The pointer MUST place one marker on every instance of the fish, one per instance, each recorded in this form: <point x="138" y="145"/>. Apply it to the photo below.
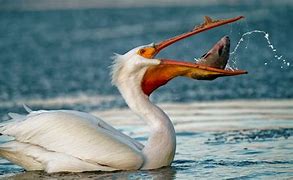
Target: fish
<point x="218" y="55"/>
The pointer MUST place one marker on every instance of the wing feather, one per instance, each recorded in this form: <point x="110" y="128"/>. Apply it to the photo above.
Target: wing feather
<point x="33" y="157"/>
<point x="77" y="135"/>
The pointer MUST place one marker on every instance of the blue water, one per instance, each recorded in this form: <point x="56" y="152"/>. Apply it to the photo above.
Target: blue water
<point x="56" y="53"/>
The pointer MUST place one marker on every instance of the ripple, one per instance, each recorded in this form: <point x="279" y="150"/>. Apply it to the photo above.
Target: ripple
<point x="212" y="163"/>
<point x="186" y="134"/>
<point x="183" y="161"/>
<point x="239" y="163"/>
<point x="249" y="136"/>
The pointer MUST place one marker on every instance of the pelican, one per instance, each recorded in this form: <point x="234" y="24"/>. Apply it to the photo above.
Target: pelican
<point x="73" y="141"/>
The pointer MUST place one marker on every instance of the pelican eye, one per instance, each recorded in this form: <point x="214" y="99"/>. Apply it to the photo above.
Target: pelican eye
<point x="141" y="51"/>
<point x="147" y="52"/>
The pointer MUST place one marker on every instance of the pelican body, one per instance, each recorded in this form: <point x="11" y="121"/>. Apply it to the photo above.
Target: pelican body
<point x="73" y="141"/>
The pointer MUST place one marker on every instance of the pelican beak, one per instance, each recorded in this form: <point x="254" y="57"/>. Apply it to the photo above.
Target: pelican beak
<point x="205" y="69"/>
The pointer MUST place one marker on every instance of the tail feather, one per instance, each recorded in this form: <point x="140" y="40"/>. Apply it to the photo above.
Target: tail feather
<point x="15" y="115"/>
<point x="14" y="119"/>
<point x="28" y="109"/>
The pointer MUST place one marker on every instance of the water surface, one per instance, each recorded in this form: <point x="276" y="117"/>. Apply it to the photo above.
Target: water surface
<point x="215" y="140"/>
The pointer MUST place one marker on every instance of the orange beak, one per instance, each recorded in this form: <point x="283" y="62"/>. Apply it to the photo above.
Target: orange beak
<point x="159" y="75"/>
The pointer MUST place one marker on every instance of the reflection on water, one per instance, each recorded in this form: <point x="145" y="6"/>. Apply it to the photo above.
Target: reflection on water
<point x="163" y="173"/>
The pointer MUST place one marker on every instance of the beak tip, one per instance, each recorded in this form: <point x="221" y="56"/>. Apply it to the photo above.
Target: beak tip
<point x="243" y="72"/>
<point x="240" y="17"/>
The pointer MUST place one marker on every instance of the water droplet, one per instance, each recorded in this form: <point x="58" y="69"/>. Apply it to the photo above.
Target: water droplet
<point x="266" y="64"/>
<point x="270" y="45"/>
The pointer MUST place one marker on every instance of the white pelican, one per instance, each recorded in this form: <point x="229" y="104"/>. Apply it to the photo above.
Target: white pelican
<point x="73" y="141"/>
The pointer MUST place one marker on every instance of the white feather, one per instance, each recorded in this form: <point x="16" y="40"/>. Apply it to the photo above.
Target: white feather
<point x="34" y="157"/>
<point x="130" y="64"/>
<point x="76" y="135"/>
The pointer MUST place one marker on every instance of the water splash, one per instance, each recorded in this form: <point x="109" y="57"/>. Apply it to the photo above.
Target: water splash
<point x="283" y="61"/>
<point x="196" y="59"/>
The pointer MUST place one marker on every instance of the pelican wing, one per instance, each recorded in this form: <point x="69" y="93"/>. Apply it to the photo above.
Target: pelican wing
<point x="76" y="135"/>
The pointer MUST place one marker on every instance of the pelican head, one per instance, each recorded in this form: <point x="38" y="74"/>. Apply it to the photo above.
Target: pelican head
<point x="141" y="65"/>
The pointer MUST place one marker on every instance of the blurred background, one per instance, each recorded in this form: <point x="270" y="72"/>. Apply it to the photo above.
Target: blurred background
<point x="57" y="53"/>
